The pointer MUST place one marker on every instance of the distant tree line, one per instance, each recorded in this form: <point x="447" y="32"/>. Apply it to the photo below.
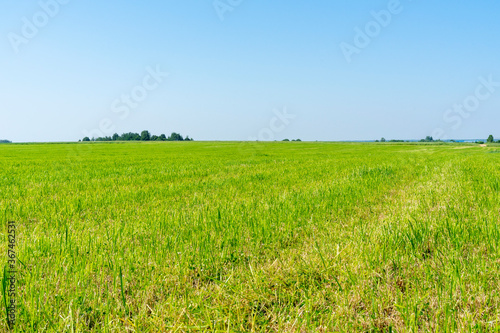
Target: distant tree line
<point x="5" y="141"/>
<point x="298" y="140"/>
<point x="384" y="140"/>
<point x="429" y="139"/>
<point x="144" y="136"/>
<point x="490" y="139"/>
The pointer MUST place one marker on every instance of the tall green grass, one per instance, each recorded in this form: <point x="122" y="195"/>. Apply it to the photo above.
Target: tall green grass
<point x="283" y="237"/>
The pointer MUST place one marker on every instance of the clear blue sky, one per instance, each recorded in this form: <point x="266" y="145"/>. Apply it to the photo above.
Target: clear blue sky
<point x="227" y="76"/>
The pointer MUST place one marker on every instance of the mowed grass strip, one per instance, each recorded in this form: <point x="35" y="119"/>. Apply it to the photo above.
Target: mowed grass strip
<point x="262" y="237"/>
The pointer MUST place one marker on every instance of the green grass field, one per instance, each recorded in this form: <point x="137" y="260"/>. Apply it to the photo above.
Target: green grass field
<point x="253" y="237"/>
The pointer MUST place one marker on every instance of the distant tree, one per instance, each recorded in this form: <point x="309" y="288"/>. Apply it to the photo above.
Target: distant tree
<point x="145" y="136"/>
<point x="490" y="139"/>
<point x="382" y="140"/>
<point x="154" y="138"/>
<point x="429" y="139"/>
<point x="286" y="140"/>
<point x="116" y="137"/>
<point x="86" y="139"/>
<point x="163" y="137"/>
<point x="175" y="137"/>
<point x="130" y="137"/>
<point x="377" y="141"/>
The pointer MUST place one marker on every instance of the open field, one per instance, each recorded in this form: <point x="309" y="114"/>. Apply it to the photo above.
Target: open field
<point x="228" y="237"/>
